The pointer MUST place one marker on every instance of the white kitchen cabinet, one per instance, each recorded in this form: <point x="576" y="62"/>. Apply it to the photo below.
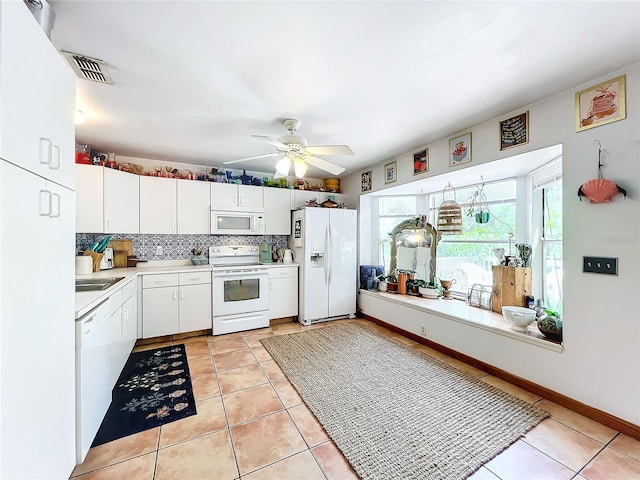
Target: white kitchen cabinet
<point x="121" y="202"/>
<point x="37" y="305"/>
<point x="176" y="303"/>
<point x="169" y="205"/>
<point x="283" y="294"/>
<point x="89" y="198"/>
<point x="37" y="98"/>
<point x="158" y="206"/>
<point x="232" y="196"/>
<point x="277" y="211"/>
<point x="301" y="197"/>
<point x="194" y="207"/>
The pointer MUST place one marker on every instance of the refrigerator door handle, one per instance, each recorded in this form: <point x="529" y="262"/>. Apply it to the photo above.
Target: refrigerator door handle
<point x="327" y="256"/>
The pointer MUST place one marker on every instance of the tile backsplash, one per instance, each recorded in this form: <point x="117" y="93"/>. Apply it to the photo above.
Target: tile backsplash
<point x="177" y="247"/>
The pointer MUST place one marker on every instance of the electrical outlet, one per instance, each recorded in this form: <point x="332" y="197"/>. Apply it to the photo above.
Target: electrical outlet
<point x="606" y="265"/>
<point x="423" y="330"/>
<point x="158" y="250"/>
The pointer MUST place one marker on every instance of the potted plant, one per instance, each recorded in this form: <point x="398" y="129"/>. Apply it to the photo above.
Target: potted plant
<point x="392" y="283"/>
<point x="551" y="325"/>
<point x="477" y="206"/>
<point x="413" y="286"/>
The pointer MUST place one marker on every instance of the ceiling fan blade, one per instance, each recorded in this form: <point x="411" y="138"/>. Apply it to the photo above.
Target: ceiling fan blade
<point x="276" y="143"/>
<point x="332" y="168"/>
<point x="329" y="150"/>
<point x="266" y="155"/>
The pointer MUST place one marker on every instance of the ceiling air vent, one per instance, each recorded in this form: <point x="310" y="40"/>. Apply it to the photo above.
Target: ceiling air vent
<point x="88" y="68"/>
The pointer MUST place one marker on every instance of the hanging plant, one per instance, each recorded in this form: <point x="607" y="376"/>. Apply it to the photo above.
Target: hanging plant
<point x="478" y="206"/>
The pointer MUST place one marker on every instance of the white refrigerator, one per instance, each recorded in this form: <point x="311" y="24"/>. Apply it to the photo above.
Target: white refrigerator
<point x="324" y="244"/>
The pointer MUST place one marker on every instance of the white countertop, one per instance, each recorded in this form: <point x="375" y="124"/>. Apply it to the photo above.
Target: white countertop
<point x="86" y="301"/>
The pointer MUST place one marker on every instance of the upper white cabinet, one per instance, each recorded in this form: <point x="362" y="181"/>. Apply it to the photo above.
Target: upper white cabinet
<point x="277" y="211"/>
<point x="121" y="202"/>
<point x="229" y="195"/>
<point x="37" y="99"/>
<point x="194" y="208"/>
<point x="158" y="205"/>
<point x="171" y="206"/>
<point x="89" y="198"/>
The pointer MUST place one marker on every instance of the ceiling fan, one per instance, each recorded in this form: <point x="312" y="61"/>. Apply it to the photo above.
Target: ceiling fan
<point x="294" y="150"/>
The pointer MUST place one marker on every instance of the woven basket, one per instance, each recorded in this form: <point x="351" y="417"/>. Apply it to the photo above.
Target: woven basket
<point x="449" y="215"/>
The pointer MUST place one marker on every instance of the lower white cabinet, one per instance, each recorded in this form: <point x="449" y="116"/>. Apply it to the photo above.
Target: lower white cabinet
<point x="175" y="303"/>
<point x="283" y="291"/>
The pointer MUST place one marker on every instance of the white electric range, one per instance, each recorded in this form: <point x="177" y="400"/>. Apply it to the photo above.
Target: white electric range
<point x="240" y="289"/>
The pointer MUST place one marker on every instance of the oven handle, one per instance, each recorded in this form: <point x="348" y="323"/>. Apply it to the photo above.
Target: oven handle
<point x="243" y="273"/>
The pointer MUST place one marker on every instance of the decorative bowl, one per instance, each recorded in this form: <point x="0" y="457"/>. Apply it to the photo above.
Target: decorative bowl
<point x="518" y="318"/>
<point x="429" y="292"/>
<point x="199" y="260"/>
<point x="551" y="327"/>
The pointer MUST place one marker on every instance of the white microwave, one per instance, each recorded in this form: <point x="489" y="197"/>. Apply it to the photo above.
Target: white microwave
<point x="227" y="222"/>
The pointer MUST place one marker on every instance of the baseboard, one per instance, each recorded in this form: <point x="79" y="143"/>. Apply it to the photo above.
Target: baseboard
<point x="605" y="418"/>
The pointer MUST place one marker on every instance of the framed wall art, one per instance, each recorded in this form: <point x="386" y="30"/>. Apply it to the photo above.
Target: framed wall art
<point x="390" y="174"/>
<point x="366" y="182"/>
<point x="601" y="104"/>
<point x="514" y="131"/>
<point x="460" y="149"/>
<point x="421" y="161"/>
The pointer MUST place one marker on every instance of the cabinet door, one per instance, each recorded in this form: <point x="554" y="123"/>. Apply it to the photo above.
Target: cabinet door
<point x="159" y="311"/>
<point x="277" y="211"/>
<point x="37" y="307"/>
<point x="121" y="202"/>
<point x="157" y="205"/>
<point x="89" y="199"/>
<point x="223" y="195"/>
<point x="115" y="350"/>
<point x="250" y="196"/>
<point x="284" y="297"/>
<point x="195" y="307"/>
<point x="129" y="328"/>
<point x="37" y="98"/>
<point x="194" y="207"/>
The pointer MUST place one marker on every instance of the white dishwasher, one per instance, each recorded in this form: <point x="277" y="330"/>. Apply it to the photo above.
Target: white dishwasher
<point x="93" y="385"/>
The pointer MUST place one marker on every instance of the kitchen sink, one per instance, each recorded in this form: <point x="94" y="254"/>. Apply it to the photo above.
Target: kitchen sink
<point x="90" y="284"/>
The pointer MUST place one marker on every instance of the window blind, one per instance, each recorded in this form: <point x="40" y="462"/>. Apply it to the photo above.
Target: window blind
<point x="547" y="174"/>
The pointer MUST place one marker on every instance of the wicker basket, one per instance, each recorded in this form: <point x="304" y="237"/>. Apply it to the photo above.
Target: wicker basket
<point x="449" y="215"/>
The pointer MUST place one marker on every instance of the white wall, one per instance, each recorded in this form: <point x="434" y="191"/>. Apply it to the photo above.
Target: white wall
<point x="600" y="364"/>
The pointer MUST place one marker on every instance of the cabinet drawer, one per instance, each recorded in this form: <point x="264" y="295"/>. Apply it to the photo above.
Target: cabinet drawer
<point x="129" y="290"/>
<point x="194" y="278"/>
<point x="161" y="280"/>
<point x="283" y="272"/>
<point x="115" y="301"/>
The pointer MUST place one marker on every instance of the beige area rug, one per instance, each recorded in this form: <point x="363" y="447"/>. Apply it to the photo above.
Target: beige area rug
<point x="395" y="412"/>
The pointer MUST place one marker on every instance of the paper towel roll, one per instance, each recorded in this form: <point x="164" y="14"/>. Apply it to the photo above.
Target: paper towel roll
<point x="84" y="264"/>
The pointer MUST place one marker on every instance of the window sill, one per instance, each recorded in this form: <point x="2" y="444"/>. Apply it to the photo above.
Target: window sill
<point x="459" y="311"/>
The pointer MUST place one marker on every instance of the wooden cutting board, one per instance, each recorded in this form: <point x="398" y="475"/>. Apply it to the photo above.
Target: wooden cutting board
<point x="121" y="249"/>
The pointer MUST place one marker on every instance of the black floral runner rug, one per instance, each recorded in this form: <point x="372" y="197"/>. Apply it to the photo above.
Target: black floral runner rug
<point x="153" y="389"/>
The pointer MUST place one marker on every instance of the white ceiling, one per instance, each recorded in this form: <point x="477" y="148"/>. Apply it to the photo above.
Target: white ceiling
<point x="193" y="79"/>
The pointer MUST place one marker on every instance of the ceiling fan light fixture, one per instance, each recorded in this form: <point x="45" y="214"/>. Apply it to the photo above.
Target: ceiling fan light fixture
<point x="300" y="167"/>
<point x="283" y="165"/>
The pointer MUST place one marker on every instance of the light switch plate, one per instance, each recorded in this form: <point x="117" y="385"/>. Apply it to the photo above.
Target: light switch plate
<point x="605" y="265"/>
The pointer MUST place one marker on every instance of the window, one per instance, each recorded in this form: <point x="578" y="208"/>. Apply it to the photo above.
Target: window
<point x="392" y="211"/>
<point x="467" y="258"/>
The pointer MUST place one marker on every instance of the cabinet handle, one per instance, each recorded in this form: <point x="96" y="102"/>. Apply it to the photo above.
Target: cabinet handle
<point x="46" y="145"/>
<point x="175" y="294"/>
<point x="173" y="226"/>
<point x="56" y="148"/>
<point x="108" y="224"/>
<point x="182" y="294"/>
<point x="57" y="197"/>
<point x="47" y="202"/>
<point x="180" y="227"/>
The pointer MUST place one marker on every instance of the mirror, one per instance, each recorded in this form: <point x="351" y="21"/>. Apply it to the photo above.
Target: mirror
<point x="413" y="247"/>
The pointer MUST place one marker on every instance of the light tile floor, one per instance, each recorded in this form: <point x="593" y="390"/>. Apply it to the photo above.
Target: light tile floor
<point x="251" y="424"/>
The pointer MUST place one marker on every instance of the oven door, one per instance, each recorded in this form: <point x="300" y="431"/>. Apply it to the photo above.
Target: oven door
<point x="240" y="292"/>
